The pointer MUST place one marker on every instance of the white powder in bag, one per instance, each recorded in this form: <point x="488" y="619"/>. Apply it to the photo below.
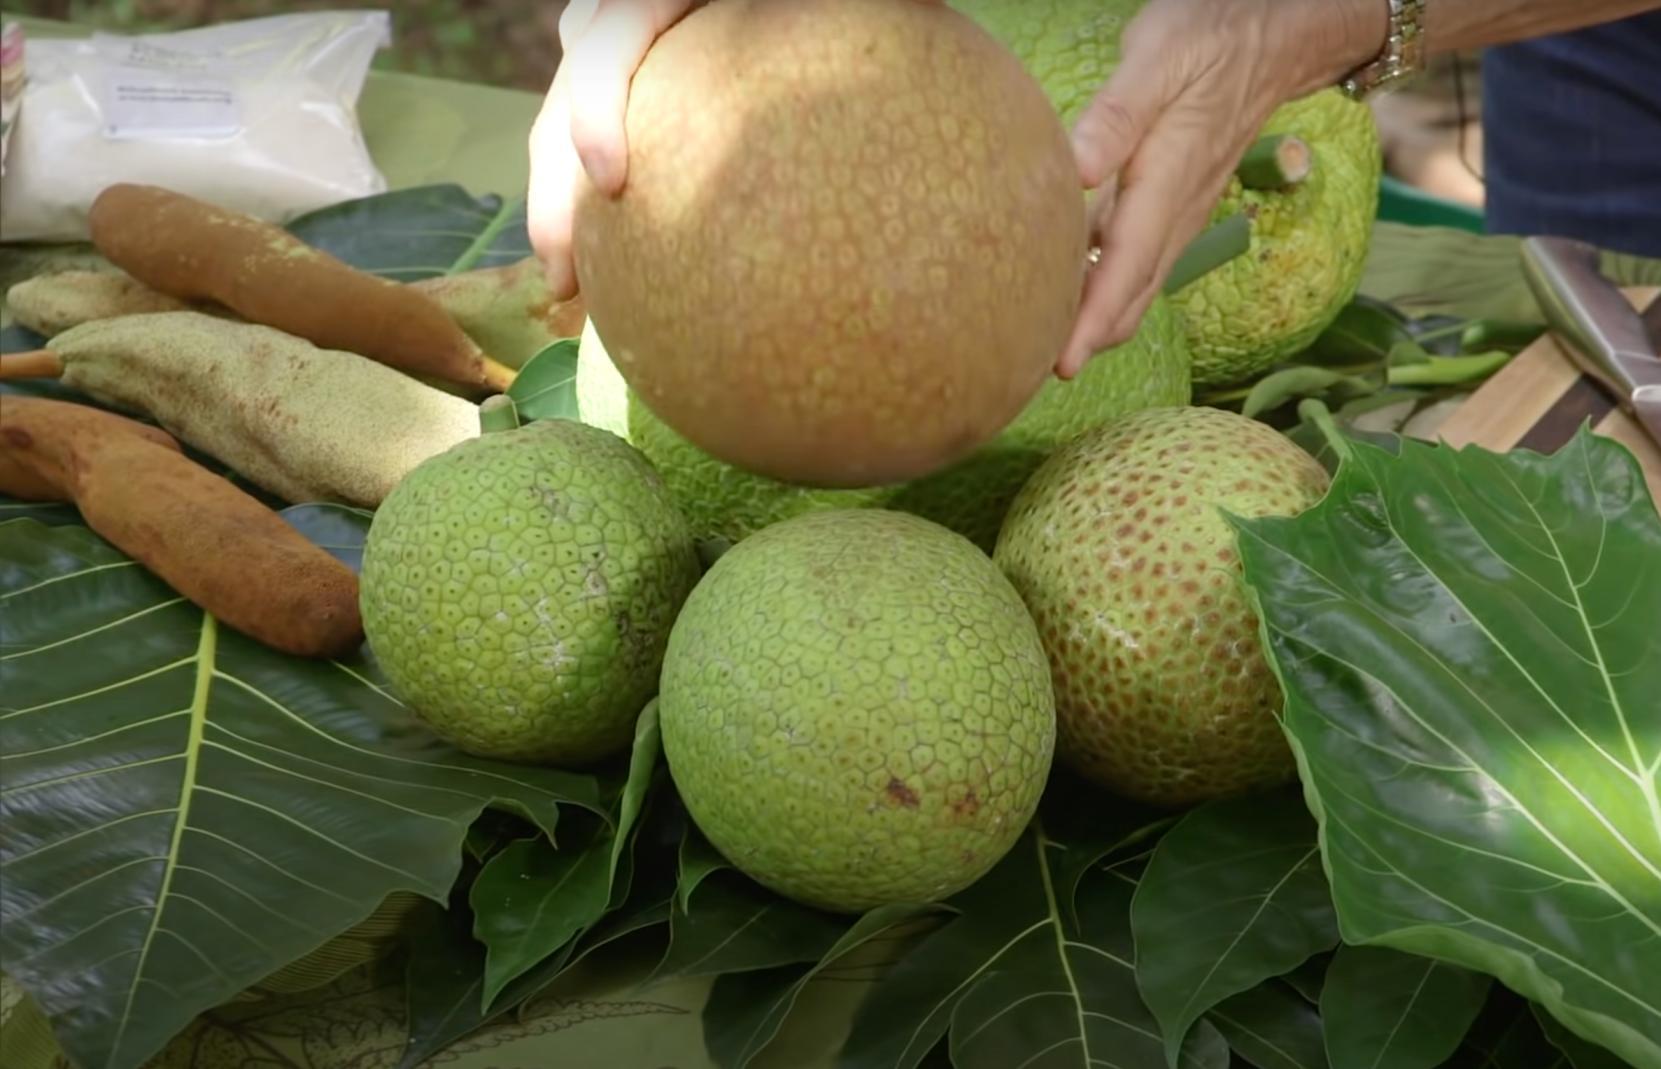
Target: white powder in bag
<point x="258" y="115"/>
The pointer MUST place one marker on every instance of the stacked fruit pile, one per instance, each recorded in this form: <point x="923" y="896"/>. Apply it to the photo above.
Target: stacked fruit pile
<point x="773" y="607"/>
<point x="946" y="567"/>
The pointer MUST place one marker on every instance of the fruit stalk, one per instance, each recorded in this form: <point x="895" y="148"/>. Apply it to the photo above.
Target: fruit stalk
<point x="1315" y="412"/>
<point x="1276" y="162"/>
<point x="1449" y="370"/>
<point x="191" y="250"/>
<point x="210" y="541"/>
<point x="498" y="413"/>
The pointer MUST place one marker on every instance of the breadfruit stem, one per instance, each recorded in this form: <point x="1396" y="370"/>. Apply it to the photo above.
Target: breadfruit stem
<point x="498" y="413"/>
<point x="1275" y="162"/>
<point x="1449" y="370"/>
<point x="1314" y="410"/>
<point x="1216" y="246"/>
<point x="34" y="364"/>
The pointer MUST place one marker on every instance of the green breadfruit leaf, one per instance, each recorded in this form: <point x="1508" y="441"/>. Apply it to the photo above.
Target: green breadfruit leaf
<point x="1233" y="896"/>
<point x="535" y="896"/>
<point x="1384" y="1009"/>
<point x="1272" y="1026"/>
<point x="1363" y="332"/>
<point x="1470" y="646"/>
<point x="733" y="924"/>
<point x="186" y="810"/>
<point x="424" y="232"/>
<point x="696" y="859"/>
<point x="444" y="974"/>
<point x="1020" y="975"/>
<point x="746" y="1009"/>
<point x="546" y="387"/>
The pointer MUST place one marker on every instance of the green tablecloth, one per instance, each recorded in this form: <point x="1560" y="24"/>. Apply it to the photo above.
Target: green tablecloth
<point x="424" y="130"/>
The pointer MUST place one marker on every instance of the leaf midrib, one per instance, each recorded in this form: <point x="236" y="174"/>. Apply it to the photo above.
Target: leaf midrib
<point x="486" y="237"/>
<point x="205" y="650"/>
<point x="1054" y="908"/>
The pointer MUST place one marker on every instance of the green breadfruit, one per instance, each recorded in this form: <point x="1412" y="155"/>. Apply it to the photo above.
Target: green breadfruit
<point x="518" y="590"/>
<point x="856" y="709"/>
<point x="725" y="503"/>
<point x="1121" y="551"/>
<point x="1309" y="243"/>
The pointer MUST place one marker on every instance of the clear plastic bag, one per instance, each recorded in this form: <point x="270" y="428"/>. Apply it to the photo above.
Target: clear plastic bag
<point x="258" y="115"/>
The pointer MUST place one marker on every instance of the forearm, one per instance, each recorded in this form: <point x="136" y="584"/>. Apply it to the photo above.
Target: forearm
<point x="1349" y="32"/>
<point x="1451" y="25"/>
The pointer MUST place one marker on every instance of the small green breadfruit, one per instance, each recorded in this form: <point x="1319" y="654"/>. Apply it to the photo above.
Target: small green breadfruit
<point x="518" y="591"/>
<point x="725" y="503"/>
<point x="1121" y="551"/>
<point x="856" y="709"/>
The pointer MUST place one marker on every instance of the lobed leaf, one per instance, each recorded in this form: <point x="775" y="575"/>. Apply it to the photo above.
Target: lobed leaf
<point x="1470" y="645"/>
<point x="186" y="810"/>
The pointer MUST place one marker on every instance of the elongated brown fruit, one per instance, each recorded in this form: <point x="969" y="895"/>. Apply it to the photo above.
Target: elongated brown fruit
<point x="196" y="251"/>
<point x="210" y="541"/>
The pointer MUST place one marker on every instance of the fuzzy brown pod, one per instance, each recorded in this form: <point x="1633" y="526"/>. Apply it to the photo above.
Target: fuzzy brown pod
<point x="212" y="542"/>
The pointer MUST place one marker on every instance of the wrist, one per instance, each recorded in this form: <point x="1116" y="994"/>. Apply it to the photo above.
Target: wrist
<point x="1344" y="35"/>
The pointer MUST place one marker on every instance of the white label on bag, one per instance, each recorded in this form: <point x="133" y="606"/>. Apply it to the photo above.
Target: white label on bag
<point x="150" y="103"/>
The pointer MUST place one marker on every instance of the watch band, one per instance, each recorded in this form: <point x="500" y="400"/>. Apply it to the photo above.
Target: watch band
<point x="1402" y="57"/>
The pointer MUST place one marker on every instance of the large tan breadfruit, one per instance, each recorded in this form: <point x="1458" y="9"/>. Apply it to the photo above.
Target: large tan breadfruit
<point x="851" y="243"/>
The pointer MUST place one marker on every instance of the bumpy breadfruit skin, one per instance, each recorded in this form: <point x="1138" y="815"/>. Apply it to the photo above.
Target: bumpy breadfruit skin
<point x="1309" y="243"/>
<point x="856" y="709"/>
<point x="852" y="242"/>
<point x="1119" y="548"/>
<point x="725" y="503"/>
<point x="519" y="588"/>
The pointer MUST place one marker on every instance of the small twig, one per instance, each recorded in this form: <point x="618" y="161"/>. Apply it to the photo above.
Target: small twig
<point x="33" y="364"/>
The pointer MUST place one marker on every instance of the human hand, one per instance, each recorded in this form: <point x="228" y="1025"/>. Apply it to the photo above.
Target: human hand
<point x="603" y="42"/>
<point x="1196" y="81"/>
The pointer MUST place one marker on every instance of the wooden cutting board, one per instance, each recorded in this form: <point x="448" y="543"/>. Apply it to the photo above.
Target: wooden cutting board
<point x="1538" y="401"/>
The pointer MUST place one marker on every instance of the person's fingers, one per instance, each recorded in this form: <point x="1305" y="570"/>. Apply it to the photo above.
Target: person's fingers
<point x="554" y="170"/>
<point x="574" y="20"/>
<point x="1109" y="129"/>
<point x="1152" y="219"/>
<point x="603" y="60"/>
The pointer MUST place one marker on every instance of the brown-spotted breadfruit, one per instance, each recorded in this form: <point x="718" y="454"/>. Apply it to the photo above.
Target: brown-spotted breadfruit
<point x="851" y="243"/>
<point x="1120" y="549"/>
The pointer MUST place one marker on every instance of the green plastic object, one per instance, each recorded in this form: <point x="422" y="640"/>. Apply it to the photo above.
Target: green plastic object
<point x="1399" y="202"/>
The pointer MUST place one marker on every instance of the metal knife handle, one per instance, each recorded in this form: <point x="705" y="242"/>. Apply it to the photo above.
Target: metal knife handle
<point x="1593" y="318"/>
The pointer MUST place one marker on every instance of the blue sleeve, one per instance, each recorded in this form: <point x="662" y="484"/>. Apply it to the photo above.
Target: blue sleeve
<point x="1572" y="135"/>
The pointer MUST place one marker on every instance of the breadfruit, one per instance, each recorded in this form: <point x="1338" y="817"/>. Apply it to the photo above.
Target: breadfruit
<point x="1120" y="550"/>
<point x="1309" y="241"/>
<point x="726" y="504"/>
<point x="518" y="590"/>
<point x="856" y="710"/>
<point x="851" y="243"/>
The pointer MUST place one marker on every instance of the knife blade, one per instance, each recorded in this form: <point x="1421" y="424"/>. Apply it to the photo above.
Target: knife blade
<point x="1601" y="331"/>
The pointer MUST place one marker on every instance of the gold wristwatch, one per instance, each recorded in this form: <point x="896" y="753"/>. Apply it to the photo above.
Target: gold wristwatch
<point x="1402" y="57"/>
